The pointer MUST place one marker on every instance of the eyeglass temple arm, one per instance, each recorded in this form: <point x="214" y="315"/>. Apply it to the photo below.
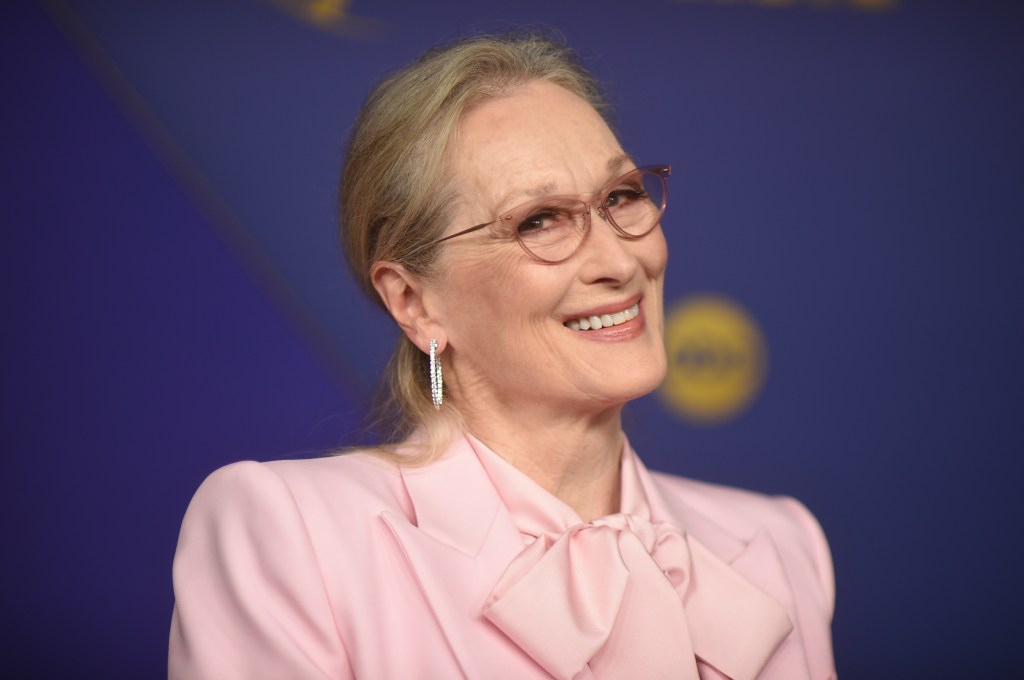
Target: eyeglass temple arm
<point x="463" y="232"/>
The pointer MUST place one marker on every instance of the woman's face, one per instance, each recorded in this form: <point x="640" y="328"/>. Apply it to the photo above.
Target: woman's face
<point x="506" y="316"/>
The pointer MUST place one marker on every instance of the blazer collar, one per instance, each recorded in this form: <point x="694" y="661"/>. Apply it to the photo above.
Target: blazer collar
<point x="749" y="565"/>
<point x="453" y="500"/>
<point x="461" y="538"/>
<point x="458" y="542"/>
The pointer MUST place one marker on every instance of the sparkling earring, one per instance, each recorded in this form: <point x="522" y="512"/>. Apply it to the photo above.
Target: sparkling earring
<point x="436" y="383"/>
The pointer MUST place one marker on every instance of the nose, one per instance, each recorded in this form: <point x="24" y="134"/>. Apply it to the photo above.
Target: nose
<point x="604" y="257"/>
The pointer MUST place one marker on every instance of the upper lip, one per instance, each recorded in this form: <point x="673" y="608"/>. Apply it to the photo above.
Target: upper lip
<point x="609" y="308"/>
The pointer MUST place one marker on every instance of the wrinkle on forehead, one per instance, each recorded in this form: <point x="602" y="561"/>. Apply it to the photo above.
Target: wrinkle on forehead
<point x="614" y="166"/>
<point x="576" y="155"/>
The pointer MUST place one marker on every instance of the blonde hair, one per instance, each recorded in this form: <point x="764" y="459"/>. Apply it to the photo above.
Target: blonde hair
<point x="395" y="194"/>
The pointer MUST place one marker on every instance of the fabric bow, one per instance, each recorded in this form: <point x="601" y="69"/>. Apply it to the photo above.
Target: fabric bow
<point x="608" y="593"/>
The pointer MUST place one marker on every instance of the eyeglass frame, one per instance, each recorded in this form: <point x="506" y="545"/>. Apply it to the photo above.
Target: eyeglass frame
<point x="660" y="171"/>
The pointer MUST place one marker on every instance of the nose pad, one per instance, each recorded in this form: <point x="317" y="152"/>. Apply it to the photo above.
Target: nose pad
<point x="606" y="245"/>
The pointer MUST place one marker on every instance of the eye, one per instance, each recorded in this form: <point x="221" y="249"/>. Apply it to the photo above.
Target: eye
<point x="543" y="221"/>
<point x="623" y="196"/>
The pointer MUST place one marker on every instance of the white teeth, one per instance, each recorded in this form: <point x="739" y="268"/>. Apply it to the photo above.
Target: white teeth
<point x="588" y="323"/>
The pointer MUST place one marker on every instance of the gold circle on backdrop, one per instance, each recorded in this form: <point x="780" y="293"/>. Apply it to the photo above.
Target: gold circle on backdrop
<point x="717" y="359"/>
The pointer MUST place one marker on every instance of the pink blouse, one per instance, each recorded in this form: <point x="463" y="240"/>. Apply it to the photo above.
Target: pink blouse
<point x="615" y="594"/>
<point x="353" y="567"/>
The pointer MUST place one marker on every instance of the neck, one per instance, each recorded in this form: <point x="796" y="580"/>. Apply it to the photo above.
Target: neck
<point x="577" y="459"/>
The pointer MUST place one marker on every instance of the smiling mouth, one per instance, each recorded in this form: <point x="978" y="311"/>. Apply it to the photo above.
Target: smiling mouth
<point x="594" y="323"/>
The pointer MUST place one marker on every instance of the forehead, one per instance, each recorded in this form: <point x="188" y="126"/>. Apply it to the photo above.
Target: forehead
<point x="540" y="139"/>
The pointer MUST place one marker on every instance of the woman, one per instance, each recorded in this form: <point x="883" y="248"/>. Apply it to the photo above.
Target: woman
<point x="510" y="532"/>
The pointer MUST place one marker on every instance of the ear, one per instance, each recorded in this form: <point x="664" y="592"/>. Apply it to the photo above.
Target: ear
<point x="408" y="300"/>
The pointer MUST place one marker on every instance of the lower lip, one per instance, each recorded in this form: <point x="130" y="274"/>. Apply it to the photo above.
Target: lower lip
<point x="624" y="331"/>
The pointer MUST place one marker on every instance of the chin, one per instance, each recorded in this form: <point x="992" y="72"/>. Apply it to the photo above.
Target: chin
<point x="636" y="383"/>
<point x="649" y="387"/>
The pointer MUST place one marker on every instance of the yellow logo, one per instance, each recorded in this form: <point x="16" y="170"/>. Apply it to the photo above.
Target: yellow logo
<point x="717" y="359"/>
<point x="332" y="16"/>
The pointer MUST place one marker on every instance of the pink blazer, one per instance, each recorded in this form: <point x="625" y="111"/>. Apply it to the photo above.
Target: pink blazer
<point x="352" y="567"/>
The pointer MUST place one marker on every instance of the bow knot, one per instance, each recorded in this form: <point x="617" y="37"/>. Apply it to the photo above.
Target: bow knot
<point x="607" y="593"/>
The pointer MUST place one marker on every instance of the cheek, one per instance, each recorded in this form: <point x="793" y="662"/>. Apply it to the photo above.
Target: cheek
<point x="654" y="259"/>
<point x="493" y="293"/>
<point x="653" y="254"/>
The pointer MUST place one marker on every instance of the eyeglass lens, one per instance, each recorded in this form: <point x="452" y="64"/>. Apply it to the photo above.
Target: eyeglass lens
<point x="552" y="229"/>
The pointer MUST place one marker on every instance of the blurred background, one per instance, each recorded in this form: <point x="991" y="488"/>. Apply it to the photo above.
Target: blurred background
<point x="844" y="289"/>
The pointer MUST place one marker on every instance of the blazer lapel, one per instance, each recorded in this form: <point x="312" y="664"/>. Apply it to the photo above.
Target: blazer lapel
<point x="762" y="565"/>
<point x="458" y="544"/>
<point x="460" y="539"/>
<point x="741" y="596"/>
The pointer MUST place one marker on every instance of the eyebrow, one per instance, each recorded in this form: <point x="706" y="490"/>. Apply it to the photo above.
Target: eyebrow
<point x="516" y="197"/>
<point x="615" y="164"/>
<point x="513" y="199"/>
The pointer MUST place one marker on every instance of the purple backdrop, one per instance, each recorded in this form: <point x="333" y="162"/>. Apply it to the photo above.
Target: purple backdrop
<point x="848" y="171"/>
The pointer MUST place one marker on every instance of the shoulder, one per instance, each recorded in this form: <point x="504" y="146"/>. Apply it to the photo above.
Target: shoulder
<point x="327" y="503"/>
<point x="256" y="545"/>
<point x="321" y="493"/>
<point x="353" y="478"/>
<point x="709" y="508"/>
<point x="743" y="512"/>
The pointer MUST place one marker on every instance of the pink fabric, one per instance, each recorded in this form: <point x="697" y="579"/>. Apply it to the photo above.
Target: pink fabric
<point x="352" y="567"/>
<point x="612" y="595"/>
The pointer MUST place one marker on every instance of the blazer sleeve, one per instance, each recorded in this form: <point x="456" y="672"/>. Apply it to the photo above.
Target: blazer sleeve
<point x="250" y="598"/>
<point x="817" y="544"/>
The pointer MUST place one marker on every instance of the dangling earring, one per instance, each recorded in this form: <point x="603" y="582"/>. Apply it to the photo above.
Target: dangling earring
<point x="436" y="383"/>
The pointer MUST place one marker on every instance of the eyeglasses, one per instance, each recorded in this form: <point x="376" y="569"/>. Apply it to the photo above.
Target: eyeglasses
<point x="552" y="229"/>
